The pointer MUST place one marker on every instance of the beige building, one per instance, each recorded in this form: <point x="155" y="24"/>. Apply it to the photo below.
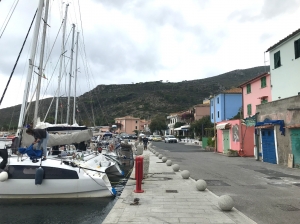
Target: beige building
<point x="128" y="124"/>
<point x="201" y="110"/>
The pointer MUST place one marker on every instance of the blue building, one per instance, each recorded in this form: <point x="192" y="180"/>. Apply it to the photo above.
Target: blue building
<point x="225" y="105"/>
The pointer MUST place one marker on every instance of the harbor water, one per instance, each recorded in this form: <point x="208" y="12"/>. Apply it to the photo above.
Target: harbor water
<point x="55" y="211"/>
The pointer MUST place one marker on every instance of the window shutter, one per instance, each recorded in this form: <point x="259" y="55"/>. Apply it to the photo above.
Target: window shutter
<point x="297" y="48"/>
<point x="277" y="62"/>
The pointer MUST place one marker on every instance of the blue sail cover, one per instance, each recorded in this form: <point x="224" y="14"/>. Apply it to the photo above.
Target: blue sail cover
<point x="31" y="152"/>
<point x="274" y="122"/>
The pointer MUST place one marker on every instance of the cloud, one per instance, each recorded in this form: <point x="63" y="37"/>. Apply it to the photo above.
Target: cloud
<point x="269" y="10"/>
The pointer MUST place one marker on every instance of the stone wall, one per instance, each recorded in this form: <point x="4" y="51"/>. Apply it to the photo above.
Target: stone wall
<point x="288" y="110"/>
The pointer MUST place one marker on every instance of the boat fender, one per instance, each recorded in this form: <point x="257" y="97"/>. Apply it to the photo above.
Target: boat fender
<point x="3" y="176"/>
<point x="39" y="175"/>
<point x="114" y="191"/>
<point x="122" y="173"/>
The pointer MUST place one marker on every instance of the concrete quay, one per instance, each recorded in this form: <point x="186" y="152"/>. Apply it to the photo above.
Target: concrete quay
<point x="168" y="198"/>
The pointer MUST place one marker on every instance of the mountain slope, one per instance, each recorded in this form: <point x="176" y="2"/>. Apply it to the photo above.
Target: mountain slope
<point x="143" y="100"/>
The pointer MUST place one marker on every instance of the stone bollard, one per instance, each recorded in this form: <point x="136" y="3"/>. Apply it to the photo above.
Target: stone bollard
<point x="157" y="153"/>
<point x="136" y="143"/>
<point x="146" y="165"/>
<point x="225" y="203"/>
<point x="169" y="162"/>
<point x="185" y="174"/>
<point x="164" y="159"/>
<point x="176" y="167"/>
<point x="201" y="185"/>
<point x="139" y="150"/>
<point x="160" y="156"/>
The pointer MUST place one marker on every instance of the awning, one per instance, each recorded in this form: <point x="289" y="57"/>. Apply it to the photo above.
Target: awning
<point x="223" y="126"/>
<point x="265" y="126"/>
<point x="272" y="122"/>
<point x="184" y="128"/>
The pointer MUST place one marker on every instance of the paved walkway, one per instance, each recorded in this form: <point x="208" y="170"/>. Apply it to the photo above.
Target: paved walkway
<point x="157" y="206"/>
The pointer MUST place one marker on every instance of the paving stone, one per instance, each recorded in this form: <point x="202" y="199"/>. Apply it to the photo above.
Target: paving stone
<point x="157" y="206"/>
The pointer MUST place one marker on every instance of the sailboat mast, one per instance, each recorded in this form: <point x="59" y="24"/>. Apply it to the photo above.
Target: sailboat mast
<point x="76" y="68"/>
<point x="61" y="62"/>
<point x="31" y="64"/>
<point x="70" y="73"/>
<point x="38" y="90"/>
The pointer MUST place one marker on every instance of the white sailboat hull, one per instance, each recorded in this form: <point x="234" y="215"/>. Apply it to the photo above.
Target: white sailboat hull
<point x="60" y="180"/>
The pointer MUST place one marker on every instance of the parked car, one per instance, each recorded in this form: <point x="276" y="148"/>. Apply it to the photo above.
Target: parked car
<point x="132" y="136"/>
<point x="157" y="138"/>
<point x="150" y="138"/>
<point x="170" y="139"/>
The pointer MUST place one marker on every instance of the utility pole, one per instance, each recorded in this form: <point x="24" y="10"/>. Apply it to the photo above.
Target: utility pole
<point x="215" y="136"/>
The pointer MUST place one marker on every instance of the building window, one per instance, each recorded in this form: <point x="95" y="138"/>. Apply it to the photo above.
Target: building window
<point x="264" y="100"/>
<point x="136" y="122"/>
<point x="277" y="61"/>
<point x="249" y="109"/>
<point x="135" y="127"/>
<point x="248" y="88"/>
<point x="218" y="114"/>
<point x="212" y="116"/>
<point x="297" y="48"/>
<point x="212" y="103"/>
<point x="218" y="100"/>
<point x="263" y="82"/>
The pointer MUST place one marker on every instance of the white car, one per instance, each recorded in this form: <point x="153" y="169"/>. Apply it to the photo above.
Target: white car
<point x="170" y="139"/>
<point x="150" y="137"/>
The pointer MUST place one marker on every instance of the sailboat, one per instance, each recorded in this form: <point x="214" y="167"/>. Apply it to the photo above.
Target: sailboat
<point x="69" y="174"/>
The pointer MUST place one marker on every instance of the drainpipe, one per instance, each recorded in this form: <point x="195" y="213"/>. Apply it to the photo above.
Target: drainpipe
<point x="256" y="140"/>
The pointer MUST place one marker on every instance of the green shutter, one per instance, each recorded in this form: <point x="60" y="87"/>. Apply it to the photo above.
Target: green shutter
<point x="249" y="109"/>
<point x="263" y="82"/>
<point x="248" y="88"/>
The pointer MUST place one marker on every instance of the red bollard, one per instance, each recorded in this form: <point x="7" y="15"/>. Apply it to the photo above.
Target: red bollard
<point x="139" y="160"/>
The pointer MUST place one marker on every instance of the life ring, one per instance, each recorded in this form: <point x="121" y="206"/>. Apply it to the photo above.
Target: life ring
<point x="241" y="153"/>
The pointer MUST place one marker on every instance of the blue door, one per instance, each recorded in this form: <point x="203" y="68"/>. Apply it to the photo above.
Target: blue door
<point x="268" y="146"/>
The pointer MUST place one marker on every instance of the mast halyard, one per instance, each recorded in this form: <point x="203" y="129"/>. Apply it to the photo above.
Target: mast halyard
<point x="31" y="64"/>
<point x="76" y="68"/>
<point x="38" y="90"/>
<point x="70" y="74"/>
<point x="61" y="62"/>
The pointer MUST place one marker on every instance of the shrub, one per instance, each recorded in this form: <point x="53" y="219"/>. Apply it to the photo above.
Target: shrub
<point x="210" y="142"/>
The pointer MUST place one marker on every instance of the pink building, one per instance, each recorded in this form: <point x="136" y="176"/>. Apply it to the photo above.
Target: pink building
<point x="234" y="135"/>
<point x="256" y="91"/>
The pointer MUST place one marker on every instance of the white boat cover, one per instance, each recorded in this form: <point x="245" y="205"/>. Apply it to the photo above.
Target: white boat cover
<point x="61" y="139"/>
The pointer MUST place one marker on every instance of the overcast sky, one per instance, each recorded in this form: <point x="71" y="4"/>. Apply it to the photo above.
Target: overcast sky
<point x="129" y="41"/>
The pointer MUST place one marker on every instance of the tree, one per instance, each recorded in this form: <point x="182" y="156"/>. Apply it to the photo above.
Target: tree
<point x="178" y="124"/>
<point x="158" y="124"/>
<point x="196" y="126"/>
